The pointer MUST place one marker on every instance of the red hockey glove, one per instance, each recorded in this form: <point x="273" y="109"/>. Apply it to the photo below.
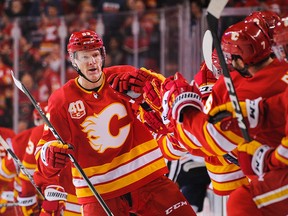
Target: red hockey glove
<point x="55" y="199"/>
<point x="151" y="95"/>
<point x="29" y="205"/>
<point x="55" y="154"/>
<point x="153" y="122"/>
<point x="177" y="94"/>
<point x="225" y="113"/>
<point x="251" y="157"/>
<point x="7" y="197"/>
<point x="131" y="83"/>
<point x="205" y="81"/>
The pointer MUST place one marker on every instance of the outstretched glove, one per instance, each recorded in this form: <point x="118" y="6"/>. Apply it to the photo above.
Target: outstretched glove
<point x="55" y="154"/>
<point x="151" y="95"/>
<point x="251" y="110"/>
<point x="29" y="205"/>
<point x="205" y="80"/>
<point x="251" y="157"/>
<point x="131" y="84"/>
<point x="153" y="121"/>
<point x="177" y="94"/>
<point x="55" y="201"/>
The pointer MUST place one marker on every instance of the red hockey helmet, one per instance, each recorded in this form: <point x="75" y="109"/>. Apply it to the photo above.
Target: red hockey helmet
<point x="247" y="41"/>
<point x="266" y="20"/>
<point x="280" y="40"/>
<point x="85" y="40"/>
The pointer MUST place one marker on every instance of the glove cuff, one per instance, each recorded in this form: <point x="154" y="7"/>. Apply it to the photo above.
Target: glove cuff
<point x="258" y="160"/>
<point x="7" y="195"/>
<point x="252" y="108"/>
<point x="43" y="153"/>
<point x="27" y="201"/>
<point x="183" y="100"/>
<point x="55" y="193"/>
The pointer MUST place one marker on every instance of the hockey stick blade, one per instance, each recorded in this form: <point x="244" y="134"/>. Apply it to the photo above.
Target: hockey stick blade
<point x="207" y="48"/>
<point x="58" y="137"/>
<point x="21" y="166"/>
<point x="214" y="11"/>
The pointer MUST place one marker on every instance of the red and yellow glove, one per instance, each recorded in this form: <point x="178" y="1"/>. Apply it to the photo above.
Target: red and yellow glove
<point x="177" y="94"/>
<point x="55" y="201"/>
<point x="29" y="205"/>
<point x="205" y="81"/>
<point x="251" y="157"/>
<point x="152" y="120"/>
<point x="251" y="109"/>
<point x="7" y="197"/>
<point x="151" y="95"/>
<point x="55" y="154"/>
<point x="131" y="84"/>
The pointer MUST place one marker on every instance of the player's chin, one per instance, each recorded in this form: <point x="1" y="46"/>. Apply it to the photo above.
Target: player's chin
<point x="95" y="77"/>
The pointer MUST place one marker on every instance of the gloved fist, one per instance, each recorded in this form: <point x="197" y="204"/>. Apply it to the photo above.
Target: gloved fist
<point x="29" y="205"/>
<point x="131" y="83"/>
<point x="251" y="157"/>
<point x="55" y="201"/>
<point x="151" y="95"/>
<point x="55" y="154"/>
<point x="177" y="94"/>
<point x="205" y="80"/>
<point x="153" y="122"/>
<point x="250" y="109"/>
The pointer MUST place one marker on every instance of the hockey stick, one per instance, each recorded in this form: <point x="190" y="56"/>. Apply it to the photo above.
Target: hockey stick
<point x="58" y="137"/>
<point x="214" y="10"/>
<point x="19" y="163"/>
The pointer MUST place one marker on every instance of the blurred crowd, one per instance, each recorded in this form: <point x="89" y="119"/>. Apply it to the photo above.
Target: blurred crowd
<point x="39" y="43"/>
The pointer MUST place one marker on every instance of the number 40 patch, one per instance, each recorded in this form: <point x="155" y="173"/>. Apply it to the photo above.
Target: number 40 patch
<point x="77" y="109"/>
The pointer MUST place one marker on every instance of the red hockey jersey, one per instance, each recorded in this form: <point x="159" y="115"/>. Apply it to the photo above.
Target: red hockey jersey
<point x="115" y="150"/>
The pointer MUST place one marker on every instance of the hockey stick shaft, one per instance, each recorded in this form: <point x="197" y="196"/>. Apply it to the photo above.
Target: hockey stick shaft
<point x="58" y="137"/>
<point x="214" y="10"/>
<point x="19" y="163"/>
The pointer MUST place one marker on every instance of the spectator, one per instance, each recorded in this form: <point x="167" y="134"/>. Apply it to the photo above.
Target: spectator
<point x="48" y="79"/>
<point x="25" y="106"/>
<point x="115" y="52"/>
<point x="112" y="20"/>
<point x="16" y="8"/>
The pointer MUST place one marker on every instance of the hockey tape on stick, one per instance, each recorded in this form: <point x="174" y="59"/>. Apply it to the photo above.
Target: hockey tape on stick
<point x="57" y="136"/>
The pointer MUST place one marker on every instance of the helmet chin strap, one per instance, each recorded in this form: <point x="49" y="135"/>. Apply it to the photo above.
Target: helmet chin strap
<point x="244" y="71"/>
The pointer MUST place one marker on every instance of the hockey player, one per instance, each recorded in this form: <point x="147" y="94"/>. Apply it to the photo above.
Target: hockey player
<point x="116" y="151"/>
<point x="69" y="206"/>
<point x="8" y="172"/>
<point x="264" y="196"/>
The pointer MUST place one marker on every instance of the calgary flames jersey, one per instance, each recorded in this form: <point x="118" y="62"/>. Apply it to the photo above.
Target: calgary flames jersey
<point x="275" y="108"/>
<point x="114" y="149"/>
<point x="196" y="133"/>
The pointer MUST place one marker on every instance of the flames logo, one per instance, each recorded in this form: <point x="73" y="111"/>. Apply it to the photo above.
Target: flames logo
<point x="98" y="126"/>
